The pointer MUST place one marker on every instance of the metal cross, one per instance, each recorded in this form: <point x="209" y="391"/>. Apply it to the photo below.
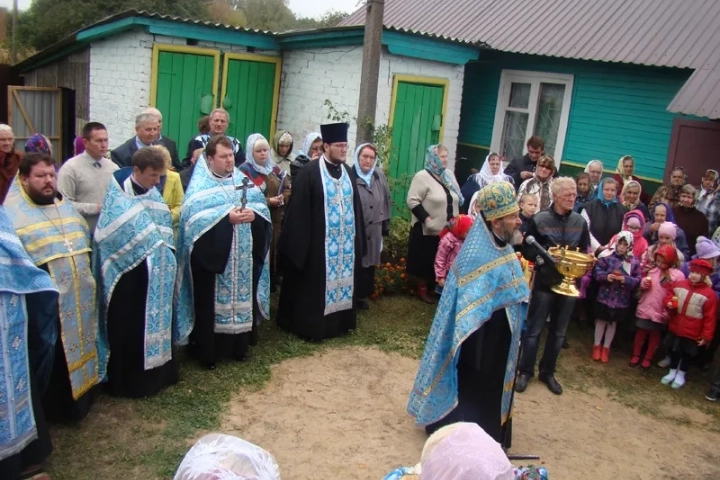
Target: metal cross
<point x="246" y="185"/>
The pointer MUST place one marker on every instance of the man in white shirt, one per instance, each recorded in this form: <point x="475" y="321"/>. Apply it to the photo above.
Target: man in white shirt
<point x="83" y="180"/>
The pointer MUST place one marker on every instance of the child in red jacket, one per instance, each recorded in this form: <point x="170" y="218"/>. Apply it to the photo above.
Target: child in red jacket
<point x="451" y="239"/>
<point x="693" y="305"/>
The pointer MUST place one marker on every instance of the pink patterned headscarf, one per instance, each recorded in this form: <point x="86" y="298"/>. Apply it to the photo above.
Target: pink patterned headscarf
<point x="468" y="453"/>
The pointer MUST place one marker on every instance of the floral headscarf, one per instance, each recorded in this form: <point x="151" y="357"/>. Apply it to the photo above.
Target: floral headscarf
<point x="38" y="143"/>
<point x="263" y="169"/>
<point x="434" y="165"/>
<point x="366" y="177"/>
<point x="620" y="170"/>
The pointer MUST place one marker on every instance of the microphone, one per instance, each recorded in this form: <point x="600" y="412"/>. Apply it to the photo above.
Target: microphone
<point x="530" y="240"/>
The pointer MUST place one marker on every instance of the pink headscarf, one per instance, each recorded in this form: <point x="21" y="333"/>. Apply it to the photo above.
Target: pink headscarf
<point x="468" y="453"/>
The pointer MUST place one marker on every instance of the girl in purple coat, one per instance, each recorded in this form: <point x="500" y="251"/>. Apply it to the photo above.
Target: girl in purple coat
<point x="618" y="274"/>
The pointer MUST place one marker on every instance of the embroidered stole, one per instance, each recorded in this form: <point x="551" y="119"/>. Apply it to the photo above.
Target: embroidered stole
<point x="339" y="240"/>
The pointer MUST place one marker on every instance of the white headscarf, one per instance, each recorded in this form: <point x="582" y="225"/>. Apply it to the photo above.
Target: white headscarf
<point x="485" y="176"/>
<point x="587" y="170"/>
<point x="265" y="169"/>
<point x="224" y="457"/>
<point x="309" y="140"/>
<point x="471" y="208"/>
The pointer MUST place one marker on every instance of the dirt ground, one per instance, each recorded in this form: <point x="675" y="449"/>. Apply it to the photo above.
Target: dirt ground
<point x="341" y="414"/>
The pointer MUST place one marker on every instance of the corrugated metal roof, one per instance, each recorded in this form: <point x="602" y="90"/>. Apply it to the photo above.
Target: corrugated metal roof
<point x="158" y="16"/>
<point x="668" y="33"/>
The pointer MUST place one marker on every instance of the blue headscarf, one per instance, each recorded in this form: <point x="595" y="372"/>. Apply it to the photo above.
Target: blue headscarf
<point x="434" y="165"/>
<point x="250" y="145"/>
<point x="600" y="195"/>
<point x="367" y="177"/>
<point x="669" y="217"/>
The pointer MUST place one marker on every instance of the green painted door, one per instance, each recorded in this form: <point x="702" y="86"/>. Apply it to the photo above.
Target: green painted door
<point x="417" y="120"/>
<point x="249" y="90"/>
<point x="186" y="88"/>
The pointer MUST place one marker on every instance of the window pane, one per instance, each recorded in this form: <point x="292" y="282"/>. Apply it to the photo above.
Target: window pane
<point x="519" y="95"/>
<point x="514" y="134"/>
<point x="547" y="120"/>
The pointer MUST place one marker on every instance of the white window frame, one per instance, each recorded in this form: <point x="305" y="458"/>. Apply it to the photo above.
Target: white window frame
<point x="507" y="78"/>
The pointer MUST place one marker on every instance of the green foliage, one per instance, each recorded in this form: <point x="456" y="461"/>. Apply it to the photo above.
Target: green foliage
<point x="271" y="15"/>
<point x="395" y="245"/>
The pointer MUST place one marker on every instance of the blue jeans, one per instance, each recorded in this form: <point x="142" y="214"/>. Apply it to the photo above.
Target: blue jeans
<point x="559" y="308"/>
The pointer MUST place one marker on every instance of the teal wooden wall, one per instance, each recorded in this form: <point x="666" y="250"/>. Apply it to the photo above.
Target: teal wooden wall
<point x="616" y="110"/>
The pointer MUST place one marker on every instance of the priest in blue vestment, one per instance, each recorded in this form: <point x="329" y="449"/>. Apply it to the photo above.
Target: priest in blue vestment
<point x="24" y="437"/>
<point x="468" y="368"/>
<point x="134" y="264"/>
<point x="57" y="239"/>
<point x="321" y="245"/>
<point x="223" y="284"/>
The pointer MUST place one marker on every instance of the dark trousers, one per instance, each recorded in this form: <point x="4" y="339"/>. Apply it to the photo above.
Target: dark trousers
<point x="542" y="304"/>
<point x="680" y="361"/>
<point x="365" y="282"/>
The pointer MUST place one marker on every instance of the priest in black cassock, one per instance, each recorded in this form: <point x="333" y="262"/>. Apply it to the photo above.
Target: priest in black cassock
<point x="321" y="245"/>
<point x="467" y="371"/>
<point x="223" y="274"/>
<point x="134" y="264"/>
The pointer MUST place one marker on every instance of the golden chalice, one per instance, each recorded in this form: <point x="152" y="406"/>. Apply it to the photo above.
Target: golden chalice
<point x="572" y="264"/>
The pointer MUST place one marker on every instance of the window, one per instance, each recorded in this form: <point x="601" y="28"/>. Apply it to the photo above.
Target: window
<point x="531" y="103"/>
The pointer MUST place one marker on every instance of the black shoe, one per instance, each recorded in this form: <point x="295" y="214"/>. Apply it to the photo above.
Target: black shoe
<point x="552" y="384"/>
<point x="712" y="395"/>
<point x="363" y="304"/>
<point x="565" y="344"/>
<point x="522" y="382"/>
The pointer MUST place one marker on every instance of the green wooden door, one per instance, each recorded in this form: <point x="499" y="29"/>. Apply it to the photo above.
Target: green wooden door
<point x="416" y="124"/>
<point x="249" y="94"/>
<point x="186" y="81"/>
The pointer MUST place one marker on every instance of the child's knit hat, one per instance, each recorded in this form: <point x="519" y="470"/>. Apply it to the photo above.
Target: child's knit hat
<point x="701" y="266"/>
<point x="669" y="229"/>
<point x="706" y="248"/>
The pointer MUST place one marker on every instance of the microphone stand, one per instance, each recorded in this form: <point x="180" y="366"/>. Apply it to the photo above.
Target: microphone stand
<point x="538" y="261"/>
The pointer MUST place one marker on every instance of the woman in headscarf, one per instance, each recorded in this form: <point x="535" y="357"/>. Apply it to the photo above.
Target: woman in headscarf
<point x="540" y="182"/>
<point x="275" y="185"/>
<point x="217" y="456"/>
<point x="282" y="150"/>
<point x="595" y="169"/>
<point x="38" y="143"/>
<point x="434" y="198"/>
<point x="374" y="194"/>
<point x="708" y="191"/>
<point x="663" y="213"/>
<point x="625" y="173"/>
<point x="630" y="197"/>
<point x="312" y="148"/>
<point x="604" y="215"/>
<point x="670" y="194"/>
<point x="464" y="451"/>
<point x="490" y="172"/>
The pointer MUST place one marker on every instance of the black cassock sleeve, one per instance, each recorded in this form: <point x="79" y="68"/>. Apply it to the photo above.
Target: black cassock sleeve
<point x="212" y="249"/>
<point x="261" y="231"/>
<point x="294" y="241"/>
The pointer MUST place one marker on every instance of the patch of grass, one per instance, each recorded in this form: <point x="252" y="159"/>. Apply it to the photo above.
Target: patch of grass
<point x="147" y="438"/>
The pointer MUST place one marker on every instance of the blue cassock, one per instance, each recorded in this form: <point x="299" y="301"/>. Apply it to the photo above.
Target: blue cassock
<point x="132" y="229"/>
<point x="18" y="276"/>
<point x="485" y="278"/>
<point x="208" y="200"/>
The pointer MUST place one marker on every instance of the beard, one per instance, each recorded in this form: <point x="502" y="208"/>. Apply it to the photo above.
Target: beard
<point x="511" y="236"/>
<point x="40" y="198"/>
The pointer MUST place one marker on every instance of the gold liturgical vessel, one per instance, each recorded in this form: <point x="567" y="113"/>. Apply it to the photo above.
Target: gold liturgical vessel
<point x="572" y="264"/>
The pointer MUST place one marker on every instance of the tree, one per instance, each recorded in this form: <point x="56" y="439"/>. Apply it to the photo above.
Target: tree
<point x="222" y="11"/>
<point x="332" y="18"/>
<point x="47" y="22"/>
<point x="272" y="15"/>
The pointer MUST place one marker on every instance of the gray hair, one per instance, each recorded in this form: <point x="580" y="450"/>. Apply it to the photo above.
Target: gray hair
<point x="220" y="110"/>
<point x="561" y="183"/>
<point x="144" y="118"/>
<point x="154" y="112"/>
<point x="591" y="162"/>
<point x="6" y="128"/>
<point x="688" y="189"/>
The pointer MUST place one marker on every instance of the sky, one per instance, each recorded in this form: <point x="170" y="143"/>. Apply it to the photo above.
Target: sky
<point x="304" y="8"/>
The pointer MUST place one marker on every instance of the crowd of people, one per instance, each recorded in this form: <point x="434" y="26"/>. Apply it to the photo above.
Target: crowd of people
<point x="115" y="258"/>
<point x="118" y="257"/>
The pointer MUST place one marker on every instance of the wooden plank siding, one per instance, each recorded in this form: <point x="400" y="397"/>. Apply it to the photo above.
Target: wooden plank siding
<point x="616" y="110"/>
<point x="71" y="72"/>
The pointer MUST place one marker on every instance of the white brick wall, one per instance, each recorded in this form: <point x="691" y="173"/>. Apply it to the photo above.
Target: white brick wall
<point x="311" y="76"/>
<point x="120" y="77"/>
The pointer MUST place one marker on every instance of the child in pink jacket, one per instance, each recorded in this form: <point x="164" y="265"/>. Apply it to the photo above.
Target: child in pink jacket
<point x="451" y="239"/>
<point x="651" y="314"/>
